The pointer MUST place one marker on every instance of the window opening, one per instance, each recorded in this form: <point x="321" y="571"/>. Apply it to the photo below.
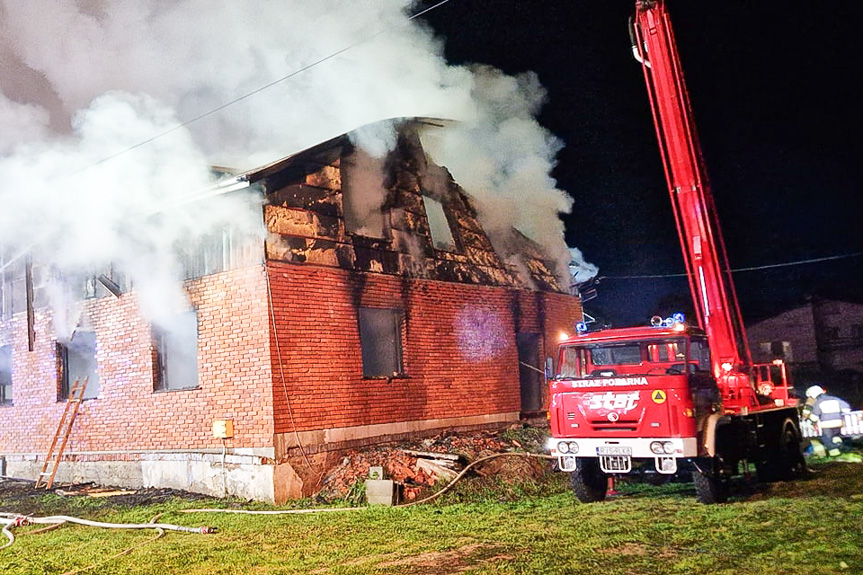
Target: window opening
<point x="441" y="232"/>
<point x="77" y="362"/>
<point x="5" y="374"/>
<point x="175" y="353"/>
<point x="363" y="194"/>
<point x="381" y="341"/>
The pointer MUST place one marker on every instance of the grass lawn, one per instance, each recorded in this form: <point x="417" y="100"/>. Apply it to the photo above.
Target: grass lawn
<point x="811" y="526"/>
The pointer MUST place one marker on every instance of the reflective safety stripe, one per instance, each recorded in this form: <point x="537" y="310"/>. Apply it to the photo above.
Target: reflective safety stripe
<point x="830" y="406"/>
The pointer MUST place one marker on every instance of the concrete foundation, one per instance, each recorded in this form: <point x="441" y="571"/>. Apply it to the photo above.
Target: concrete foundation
<point x="243" y="476"/>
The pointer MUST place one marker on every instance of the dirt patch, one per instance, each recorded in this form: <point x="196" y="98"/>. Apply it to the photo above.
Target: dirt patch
<point x="22" y="497"/>
<point x="458" y="560"/>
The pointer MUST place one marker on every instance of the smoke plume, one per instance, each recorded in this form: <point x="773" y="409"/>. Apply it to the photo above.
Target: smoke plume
<point x="112" y="108"/>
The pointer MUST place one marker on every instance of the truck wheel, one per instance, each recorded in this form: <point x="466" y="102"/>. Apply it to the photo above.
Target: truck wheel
<point x="588" y="481"/>
<point x="710" y="486"/>
<point x="785" y="459"/>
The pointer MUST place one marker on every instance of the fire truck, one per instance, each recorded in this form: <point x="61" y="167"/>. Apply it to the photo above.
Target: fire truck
<point x="674" y="398"/>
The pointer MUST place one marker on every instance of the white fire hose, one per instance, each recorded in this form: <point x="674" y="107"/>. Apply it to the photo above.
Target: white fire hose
<point x="10" y="520"/>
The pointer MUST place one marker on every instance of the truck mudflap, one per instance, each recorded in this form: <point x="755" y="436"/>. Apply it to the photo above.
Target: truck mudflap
<point x="616" y="456"/>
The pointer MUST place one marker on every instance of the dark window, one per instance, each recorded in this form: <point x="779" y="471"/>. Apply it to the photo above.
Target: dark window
<point x="77" y="362"/>
<point x="699" y="352"/>
<point x="5" y="374"/>
<point x="381" y="341"/>
<point x="175" y="353"/>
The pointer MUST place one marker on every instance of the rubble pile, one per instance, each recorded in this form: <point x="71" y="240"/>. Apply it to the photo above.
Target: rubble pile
<point x="420" y="465"/>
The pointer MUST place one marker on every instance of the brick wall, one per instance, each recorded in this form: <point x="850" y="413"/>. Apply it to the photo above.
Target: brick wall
<point x="460" y="355"/>
<point x="234" y="376"/>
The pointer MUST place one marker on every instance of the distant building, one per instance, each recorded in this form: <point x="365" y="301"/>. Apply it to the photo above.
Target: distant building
<point x="352" y="323"/>
<point x="823" y="334"/>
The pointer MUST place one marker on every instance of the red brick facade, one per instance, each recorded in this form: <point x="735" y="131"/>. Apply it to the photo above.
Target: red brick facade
<point x="459" y="341"/>
<point x="128" y="415"/>
<point x="279" y="347"/>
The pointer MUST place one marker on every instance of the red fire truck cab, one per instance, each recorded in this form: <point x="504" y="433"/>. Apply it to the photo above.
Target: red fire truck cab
<point x="645" y="400"/>
<point x="649" y="386"/>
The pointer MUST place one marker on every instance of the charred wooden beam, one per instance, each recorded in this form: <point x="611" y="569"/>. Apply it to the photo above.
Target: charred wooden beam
<point x="31" y="316"/>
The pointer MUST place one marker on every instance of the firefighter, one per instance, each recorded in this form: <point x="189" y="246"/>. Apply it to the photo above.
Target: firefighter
<point x="827" y="411"/>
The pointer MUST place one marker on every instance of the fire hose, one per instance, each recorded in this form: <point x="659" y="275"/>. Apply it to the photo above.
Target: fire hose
<point x="13" y="520"/>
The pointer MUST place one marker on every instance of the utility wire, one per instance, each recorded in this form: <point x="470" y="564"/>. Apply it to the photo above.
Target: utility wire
<point x="737" y="270"/>
<point x="258" y="90"/>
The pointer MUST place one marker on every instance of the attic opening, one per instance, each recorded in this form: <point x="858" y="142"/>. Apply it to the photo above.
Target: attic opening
<point x="441" y="233"/>
<point x="363" y="193"/>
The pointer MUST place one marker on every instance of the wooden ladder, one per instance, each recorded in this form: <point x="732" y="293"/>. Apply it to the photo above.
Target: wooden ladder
<point x="64" y="429"/>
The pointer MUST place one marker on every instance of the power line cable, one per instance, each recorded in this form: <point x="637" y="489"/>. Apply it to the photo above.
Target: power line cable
<point x="737" y="270"/>
<point x="258" y="90"/>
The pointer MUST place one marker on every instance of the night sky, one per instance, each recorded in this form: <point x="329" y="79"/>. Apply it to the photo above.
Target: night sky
<point x="773" y="88"/>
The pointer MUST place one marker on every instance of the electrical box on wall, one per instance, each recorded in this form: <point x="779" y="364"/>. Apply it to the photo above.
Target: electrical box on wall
<point x="223" y="428"/>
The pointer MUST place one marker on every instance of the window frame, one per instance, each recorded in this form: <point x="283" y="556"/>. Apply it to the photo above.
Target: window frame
<point x="64" y="372"/>
<point x="162" y="357"/>
<point x="370" y="341"/>
<point x="434" y="215"/>
<point x="6" y="397"/>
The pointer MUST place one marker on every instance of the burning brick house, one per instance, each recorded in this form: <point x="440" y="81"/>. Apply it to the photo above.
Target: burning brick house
<point x="350" y="324"/>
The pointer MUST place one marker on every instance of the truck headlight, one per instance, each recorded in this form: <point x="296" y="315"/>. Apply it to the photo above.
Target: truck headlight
<point x="567" y="447"/>
<point x="662" y="447"/>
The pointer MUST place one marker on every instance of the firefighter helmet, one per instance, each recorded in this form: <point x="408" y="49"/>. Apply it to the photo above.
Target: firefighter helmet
<point x="814" y="391"/>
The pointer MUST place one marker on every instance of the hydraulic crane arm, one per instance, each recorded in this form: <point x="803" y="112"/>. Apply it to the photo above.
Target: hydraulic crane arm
<point x="703" y="248"/>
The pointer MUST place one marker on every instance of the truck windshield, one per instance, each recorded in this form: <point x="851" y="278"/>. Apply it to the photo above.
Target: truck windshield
<point x="628" y="354"/>
<point x="631" y="358"/>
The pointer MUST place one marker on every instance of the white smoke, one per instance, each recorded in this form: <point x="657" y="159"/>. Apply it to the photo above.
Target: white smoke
<point x="502" y="156"/>
<point x="580" y="269"/>
<point x="111" y="107"/>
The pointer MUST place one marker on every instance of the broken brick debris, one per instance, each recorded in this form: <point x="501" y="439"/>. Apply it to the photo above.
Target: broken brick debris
<point x="420" y="465"/>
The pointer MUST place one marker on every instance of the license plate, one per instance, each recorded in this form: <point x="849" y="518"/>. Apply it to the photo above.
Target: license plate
<point x="614" y="450"/>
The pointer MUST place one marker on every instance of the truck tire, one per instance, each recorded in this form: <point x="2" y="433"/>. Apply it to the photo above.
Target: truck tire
<point x="785" y="459"/>
<point x="710" y="486"/>
<point x="588" y="481"/>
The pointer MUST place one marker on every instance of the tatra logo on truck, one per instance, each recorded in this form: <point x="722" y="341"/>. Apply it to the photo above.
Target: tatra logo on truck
<point x="613" y="401"/>
<point x="611" y="382"/>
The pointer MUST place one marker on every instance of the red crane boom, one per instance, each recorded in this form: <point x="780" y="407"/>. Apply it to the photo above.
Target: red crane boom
<point x="674" y="397"/>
